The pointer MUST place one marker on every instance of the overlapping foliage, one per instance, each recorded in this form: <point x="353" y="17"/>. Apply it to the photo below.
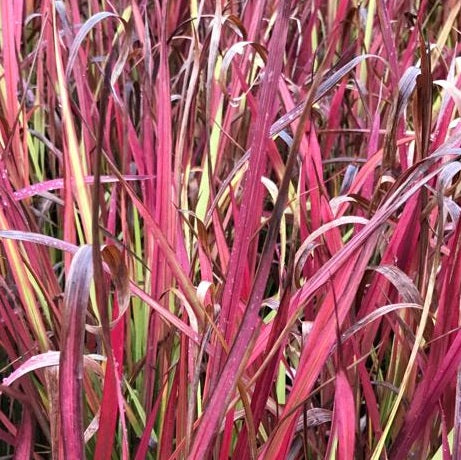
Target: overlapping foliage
<point x="230" y="230"/>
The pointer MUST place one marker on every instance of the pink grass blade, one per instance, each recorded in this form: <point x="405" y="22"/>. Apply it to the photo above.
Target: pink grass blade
<point x="57" y="184"/>
<point x="82" y="33"/>
<point x="39" y="239"/>
<point x="16" y="160"/>
<point x="74" y="160"/>
<point x="163" y="200"/>
<point x="386" y="29"/>
<point x="25" y="436"/>
<point x="344" y="420"/>
<point x="44" y="360"/>
<point x="146" y="438"/>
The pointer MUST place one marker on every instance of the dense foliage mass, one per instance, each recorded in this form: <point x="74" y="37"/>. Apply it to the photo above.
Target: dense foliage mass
<point x="230" y="229"/>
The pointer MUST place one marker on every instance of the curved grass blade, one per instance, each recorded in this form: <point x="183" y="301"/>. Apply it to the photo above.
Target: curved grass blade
<point x="75" y="305"/>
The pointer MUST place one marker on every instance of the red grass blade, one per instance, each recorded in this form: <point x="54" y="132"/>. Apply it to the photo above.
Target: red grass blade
<point x="112" y="386"/>
<point x="75" y="306"/>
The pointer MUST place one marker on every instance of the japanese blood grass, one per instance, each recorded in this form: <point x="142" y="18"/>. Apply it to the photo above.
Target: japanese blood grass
<point x="229" y="230"/>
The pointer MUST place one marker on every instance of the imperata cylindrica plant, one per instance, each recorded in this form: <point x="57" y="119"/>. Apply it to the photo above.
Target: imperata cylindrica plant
<point x="230" y="230"/>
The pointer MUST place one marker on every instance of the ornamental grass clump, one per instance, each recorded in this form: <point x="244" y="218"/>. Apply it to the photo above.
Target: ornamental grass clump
<point x="230" y="230"/>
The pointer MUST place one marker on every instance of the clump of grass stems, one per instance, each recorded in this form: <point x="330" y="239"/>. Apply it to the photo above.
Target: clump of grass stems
<point x="230" y="230"/>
